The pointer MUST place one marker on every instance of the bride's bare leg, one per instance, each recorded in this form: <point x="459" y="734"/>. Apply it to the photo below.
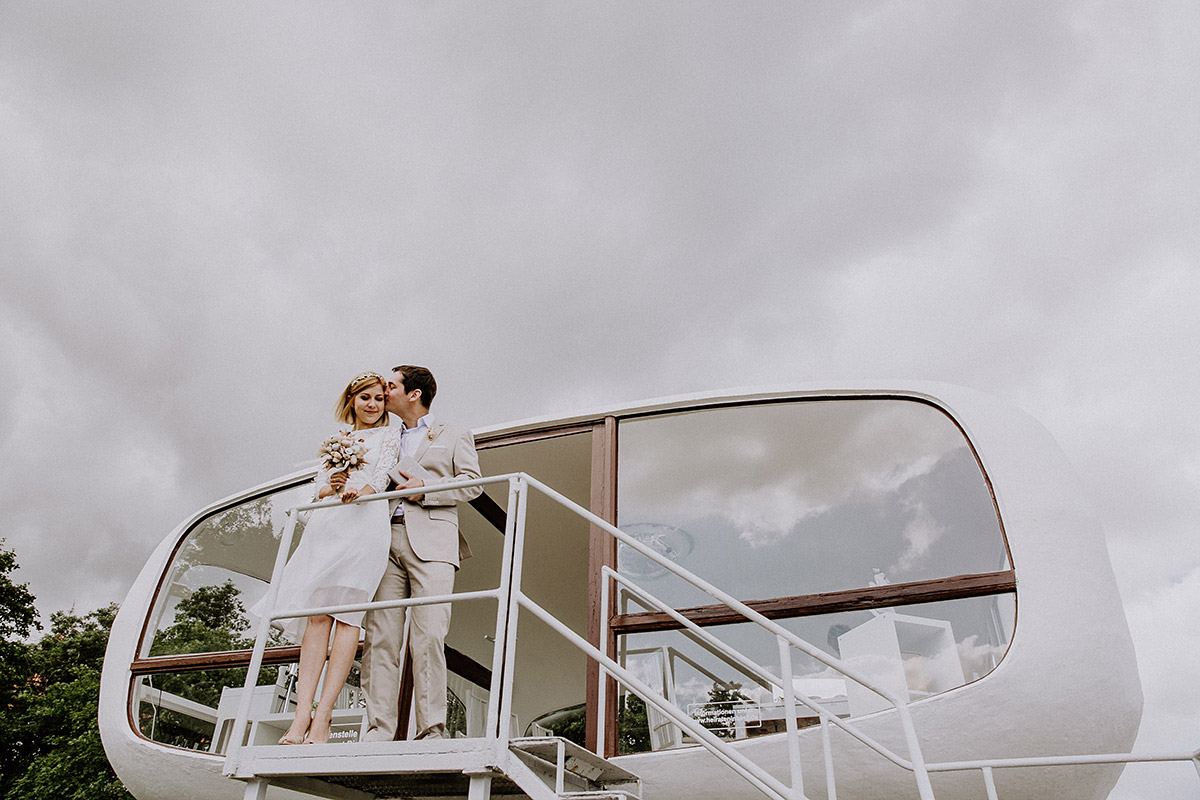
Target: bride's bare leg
<point x="313" y="647"/>
<point x="341" y="659"/>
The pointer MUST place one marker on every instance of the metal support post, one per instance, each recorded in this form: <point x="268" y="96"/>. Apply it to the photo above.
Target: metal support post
<point x="256" y="789"/>
<point x="989" y="783"/>
<point x="602" y="684"/>
<point x="240" y="732"/>
<point x="480" y="787"/>
<point x="514" y="593"/>
<point x="503" y="607"/>
<point x="789" y="720"/>
<point x="827" y="744"/>
<point x="560" y="767"/>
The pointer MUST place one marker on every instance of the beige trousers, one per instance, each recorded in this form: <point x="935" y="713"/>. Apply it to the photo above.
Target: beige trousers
<point x="407" y="576"/>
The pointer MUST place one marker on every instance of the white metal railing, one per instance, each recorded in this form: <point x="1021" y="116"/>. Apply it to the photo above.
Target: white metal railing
<point x="786" y="641"/>
<point x="241" y="729"/>
<point x="510" y="599"/>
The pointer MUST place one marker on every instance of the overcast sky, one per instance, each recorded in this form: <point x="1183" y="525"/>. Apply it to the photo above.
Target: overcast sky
<point x="213" y="213"/>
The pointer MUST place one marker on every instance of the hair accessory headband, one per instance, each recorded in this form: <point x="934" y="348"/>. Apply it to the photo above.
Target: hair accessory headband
<point x="358" y="379"/>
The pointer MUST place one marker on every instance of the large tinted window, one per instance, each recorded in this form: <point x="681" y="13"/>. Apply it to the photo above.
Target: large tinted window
<point x="792" y="500"/>
<point x="798" y="498"/>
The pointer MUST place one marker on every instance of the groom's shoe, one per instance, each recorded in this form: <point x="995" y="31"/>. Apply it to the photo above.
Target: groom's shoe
<point x="437" y="731"/>
<point x="376" y="735"/>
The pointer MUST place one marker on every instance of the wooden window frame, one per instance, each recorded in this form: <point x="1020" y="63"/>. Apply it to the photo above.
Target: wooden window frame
<point x="958" y="587"/>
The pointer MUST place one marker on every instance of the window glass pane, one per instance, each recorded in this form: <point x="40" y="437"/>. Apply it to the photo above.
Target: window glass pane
<point x="550" y="673"/>
<point x="196" y="710"/>
<point x="218" y="573"/>
<point x="785" y="499"/>
<point x="916" y="651"/>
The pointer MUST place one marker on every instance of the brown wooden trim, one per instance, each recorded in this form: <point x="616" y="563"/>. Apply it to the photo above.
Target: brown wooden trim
<point x="902" y="594"/>
<point x="504" y="439"/>
<point x="490" y="510"/>
<point x="467" y="667"/>
<point x="404" y="698"/>
<point x="225" y="659"/>
<point x="602" y="551"/>
<point x="456" y="662"/>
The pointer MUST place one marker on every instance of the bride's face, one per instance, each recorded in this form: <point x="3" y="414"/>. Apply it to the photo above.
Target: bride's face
<point x="368" y="405"/>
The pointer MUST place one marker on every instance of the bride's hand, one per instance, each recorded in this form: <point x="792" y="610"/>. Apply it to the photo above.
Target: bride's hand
<point x="354" y="494"/>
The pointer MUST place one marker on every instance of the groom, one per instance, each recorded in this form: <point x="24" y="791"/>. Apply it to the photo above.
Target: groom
<point x="425" y="552"/>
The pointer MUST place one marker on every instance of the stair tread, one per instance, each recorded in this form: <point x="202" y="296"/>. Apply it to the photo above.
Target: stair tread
<point x="580" y="760"/>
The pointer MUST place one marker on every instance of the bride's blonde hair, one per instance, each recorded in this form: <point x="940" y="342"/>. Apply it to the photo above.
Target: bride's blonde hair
<point x="344" y="410"/>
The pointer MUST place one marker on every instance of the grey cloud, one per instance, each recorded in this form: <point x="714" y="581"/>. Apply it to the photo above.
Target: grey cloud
<point x="213" y="213"/>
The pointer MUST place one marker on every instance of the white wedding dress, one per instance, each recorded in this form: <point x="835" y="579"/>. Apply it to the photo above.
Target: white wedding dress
<point x="344" y="550"/>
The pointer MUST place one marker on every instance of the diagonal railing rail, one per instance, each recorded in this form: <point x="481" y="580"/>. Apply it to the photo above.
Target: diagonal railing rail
<point x="510" y="599"/>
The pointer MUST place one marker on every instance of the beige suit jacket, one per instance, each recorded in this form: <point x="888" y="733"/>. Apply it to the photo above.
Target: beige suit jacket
<point x="446" y="454"/>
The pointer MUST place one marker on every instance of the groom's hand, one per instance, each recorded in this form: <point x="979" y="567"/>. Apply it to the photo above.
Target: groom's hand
<point x="412" y="483"/>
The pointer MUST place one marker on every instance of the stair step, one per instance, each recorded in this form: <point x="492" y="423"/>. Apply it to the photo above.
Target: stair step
<point x="577" y="760"/>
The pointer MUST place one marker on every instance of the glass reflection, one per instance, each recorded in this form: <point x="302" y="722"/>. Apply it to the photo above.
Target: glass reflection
<point x="196" y="710"/>
<point x="233" y="548"/>
<point x="796" y="498"/>
<point x="916" y="651"/>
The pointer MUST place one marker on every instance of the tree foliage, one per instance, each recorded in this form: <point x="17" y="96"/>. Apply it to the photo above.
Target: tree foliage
<point x="211" y="619"/>
<point x="724" y="696"/>
<point x="49" y="734"/>
<point x="18" y="619"/>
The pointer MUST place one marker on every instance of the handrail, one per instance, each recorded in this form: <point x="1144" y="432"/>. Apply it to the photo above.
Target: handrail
<point x="499" y="718"/>
<point x="240" y="728"/>
<point x="915" y="763"/>
<point x="510" y="599"/>
<point x="752" y="668"/>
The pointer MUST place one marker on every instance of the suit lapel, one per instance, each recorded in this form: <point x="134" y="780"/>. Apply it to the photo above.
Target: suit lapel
<point x="427" y="440"/>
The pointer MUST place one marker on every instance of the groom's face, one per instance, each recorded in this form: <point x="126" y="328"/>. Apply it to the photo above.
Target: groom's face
<point x="395" y="394"/>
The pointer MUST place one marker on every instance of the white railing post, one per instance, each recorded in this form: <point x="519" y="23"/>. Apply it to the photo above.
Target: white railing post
<point x="915" y="756"/>
<point x="560" y="767"/>
<point x="789" y="721"/>
<point x="989" y="783"/>
<point x="602" y="684"/>
<point x="240" y="731"/>
<point x="510" y="633"/>
<point x="503" y="608"/>
<point x="827" y="745"/>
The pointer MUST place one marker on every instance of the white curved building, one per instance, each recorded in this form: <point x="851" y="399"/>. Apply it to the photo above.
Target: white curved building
<point x="930" y="539"/>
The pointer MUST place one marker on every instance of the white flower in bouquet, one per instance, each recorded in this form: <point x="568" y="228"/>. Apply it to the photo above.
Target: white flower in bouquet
<point x="341" y="453"/>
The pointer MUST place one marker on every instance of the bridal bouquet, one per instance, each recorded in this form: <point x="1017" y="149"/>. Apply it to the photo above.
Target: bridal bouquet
<point x="340" y="453"/>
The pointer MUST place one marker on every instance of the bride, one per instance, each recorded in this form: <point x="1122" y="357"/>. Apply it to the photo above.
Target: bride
<point x="340" y="559"/>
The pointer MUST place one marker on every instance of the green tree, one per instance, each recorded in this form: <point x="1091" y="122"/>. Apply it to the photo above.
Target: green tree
<point x="51" y="736"/>
<point x="211" y="619"/>
<point x="18" y="619"/>
<point x="633" y="726"/>
<point x="724" y="698"/>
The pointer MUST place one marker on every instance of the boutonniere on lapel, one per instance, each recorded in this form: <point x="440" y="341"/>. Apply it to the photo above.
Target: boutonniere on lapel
<point x="431" y="436"/>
